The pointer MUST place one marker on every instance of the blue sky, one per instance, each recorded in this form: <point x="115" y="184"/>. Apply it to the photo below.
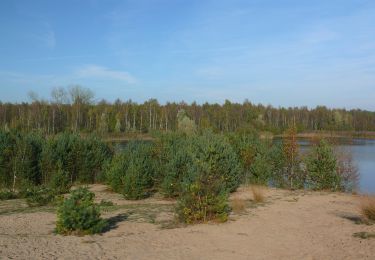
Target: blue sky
<point x="284" y="53"/>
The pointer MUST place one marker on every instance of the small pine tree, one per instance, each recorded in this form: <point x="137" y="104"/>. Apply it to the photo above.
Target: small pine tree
<point x="132" y="171"/>
<point x="60" y="183"/>
<point x="321" y="166"/>
<point x="78" y="214"/>
<point x="292" y="169"/>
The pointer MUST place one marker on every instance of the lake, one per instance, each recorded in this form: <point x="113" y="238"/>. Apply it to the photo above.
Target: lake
<point x="363" y="151"/>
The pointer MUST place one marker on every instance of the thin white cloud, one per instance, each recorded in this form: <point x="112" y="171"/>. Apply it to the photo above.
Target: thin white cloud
<point x="95" y="71"/>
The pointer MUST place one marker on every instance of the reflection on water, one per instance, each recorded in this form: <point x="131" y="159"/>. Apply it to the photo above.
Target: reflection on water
<point x="364" y="155"/>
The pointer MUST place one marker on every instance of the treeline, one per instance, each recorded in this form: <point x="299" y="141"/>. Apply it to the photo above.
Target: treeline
<point x="74" y="109"/>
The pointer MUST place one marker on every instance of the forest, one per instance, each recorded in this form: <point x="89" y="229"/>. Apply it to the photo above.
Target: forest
<point x="76" y="109"/>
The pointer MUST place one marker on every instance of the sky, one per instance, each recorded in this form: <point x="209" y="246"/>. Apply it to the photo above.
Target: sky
<point x="281" y="52"/>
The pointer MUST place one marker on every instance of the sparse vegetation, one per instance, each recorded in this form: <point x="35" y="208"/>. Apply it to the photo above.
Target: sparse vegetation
<point x="106" y="203"/>
<point x="238" y="205"/>
<point x="258" y="193"/>
<point x="8" y="195"/>
<point x="367" y="207"/>
<point x="364" y="235"/>
<point x="39" y="196"/>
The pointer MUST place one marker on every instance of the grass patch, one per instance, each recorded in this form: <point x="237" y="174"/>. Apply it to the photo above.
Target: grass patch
<point x="238" y="205"/>
<point x="106" y="203"/>
<point x="258" y="193"/>
<point x="143" y="212"/>
<point x="358" y="220"/>
<point x="17" y="206"/>
<point x="367" y="207"/>
<point x="364" y="235"/>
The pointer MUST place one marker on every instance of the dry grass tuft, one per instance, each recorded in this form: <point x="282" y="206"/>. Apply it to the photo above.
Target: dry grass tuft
<point x="258" y="193"/>
<point x="367" y="206"/>
<point x="364" y="235"/>
<point x="238" y="205"/>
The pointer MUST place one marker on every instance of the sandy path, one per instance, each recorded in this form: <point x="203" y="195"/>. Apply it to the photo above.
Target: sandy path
<point x="290" y="226"/>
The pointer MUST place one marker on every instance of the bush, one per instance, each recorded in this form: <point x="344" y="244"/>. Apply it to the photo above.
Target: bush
<point x="8" y="195"/>
<point x="26" y="158"/>
<point x="60" y="182"/>
<point x="83" y="159"/>
<point x="7" y="150"/>
<point x="321" y="166"/>
<point x="78" y="214"/>
<point x="213" y="173"/>
<point x="115" y="171"/>
<point x="254" y="156"/>
<point x="261" y="170"/>
<point x="178" y="160"/>
<point x="131" y="172"/>
<point x="95" y="154"/>
<point x="214" y="155"/>
<point x="285" y="174"/>
<point x="39" y="196"/>
<point x="203" y="200"/>
<point x="19" y="159"/>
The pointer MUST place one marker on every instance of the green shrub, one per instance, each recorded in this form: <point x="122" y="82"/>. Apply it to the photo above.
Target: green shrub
<point x="245" y="146"/>
<point x="260" y="170"/>
<point x="63" y="150"/>
<point x="8" y="195"/>
<point x="78" y="214"/>
<point x="83" y="159"/>
<point x="26" y="159"/>
<point x="176" y="166"/>
<point x="321" y="166"/>
<point x="95" y="154"/>
<point x="60" y="182"/>
<point x="203" y="200"/>
<point x="7" y="150"/>
<point x="214" y="171"/>
<point x="106" y="203"/>
<point x="39" y="196"/>
<point x="115" y="170"/>
<point x="19" y="159"/>
<point x="283" y="173"/>
<point x="254" y="155"/>
<point x="214" y="154"/>
<point x="131" y="172"/>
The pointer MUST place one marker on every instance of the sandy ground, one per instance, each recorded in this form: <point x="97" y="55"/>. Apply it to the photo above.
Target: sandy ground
<point x="290" y="225"/>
